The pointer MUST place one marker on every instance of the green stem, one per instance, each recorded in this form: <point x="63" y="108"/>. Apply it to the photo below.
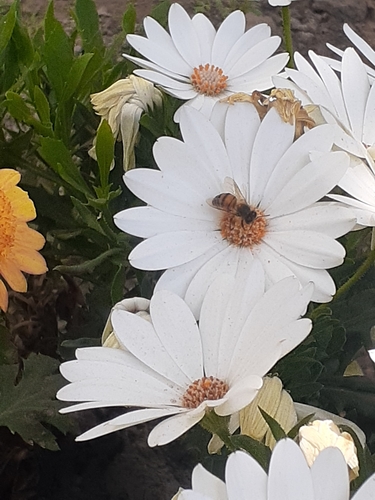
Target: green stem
<point x="218" y="425"/>
<point x="363" y="268"/>
<point x="287" y="31"/>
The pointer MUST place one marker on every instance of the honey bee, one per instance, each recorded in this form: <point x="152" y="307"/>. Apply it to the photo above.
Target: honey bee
<point x="234" y="203"/>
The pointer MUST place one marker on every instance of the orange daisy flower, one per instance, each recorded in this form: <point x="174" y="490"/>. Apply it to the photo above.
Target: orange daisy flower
<point x="18" y="242"/>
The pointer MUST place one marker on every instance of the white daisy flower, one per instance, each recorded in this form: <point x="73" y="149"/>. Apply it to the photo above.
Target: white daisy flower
<point x="289" y="478"/>
<point x="172" y="368"/>
<point x="199" y="65"/>
<point x="350" y="102"/>
<point x="196" y="229"/>
<point x="280" y="3"/>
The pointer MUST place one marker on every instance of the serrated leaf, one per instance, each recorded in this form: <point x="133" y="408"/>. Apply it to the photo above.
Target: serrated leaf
<point x="129" y="19"/>
<point x="256" y="449"/>
<point x="25" y="407"/>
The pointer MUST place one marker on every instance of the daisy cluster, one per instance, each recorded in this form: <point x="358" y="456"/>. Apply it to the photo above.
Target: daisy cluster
<point x="243" y="214"/>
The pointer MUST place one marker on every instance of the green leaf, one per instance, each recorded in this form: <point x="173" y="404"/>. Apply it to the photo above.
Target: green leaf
<point x="87" y="216"/>
<point x="90" y="265"/>
<point x="104" y="147"/>
<point x="17" y="107"/>
<point x="23" y="44"/>
<point x="58" y="52"/>
<point x="258" y="450"/>
<point x="293" y="433"/>
<point x="56" y="154"/>
<point x="160" y="12"/>
<point x="27" y="406"/>
<point x="276" y="429"/>
<point x="129" y="19"/>
<point x="42" y="105"/>
<point x="88" y="26"/>
<point x="7" y="24"/>
<point x="8" y="351"/>
<point x="82" y="342"/>
<point x="75" y="75"/>
<point x="117" y="287"/>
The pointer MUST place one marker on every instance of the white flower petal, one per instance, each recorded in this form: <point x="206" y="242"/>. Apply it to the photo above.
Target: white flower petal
<point x="368" y="136"/>
<point x="330" y="482"/>
<point x="287" y="464"/>
<point x="241" y="125"/>
<point x="231" y="29"/>
<point x="224" y="262"/>
<point x="206" y="483"/>
<point x="264" y="158"/>
<point x="178" y="332"/>
<point x="206" y="34"/>
<point x="145" y="222"/>
<point x="255" y="56"/>
<point x="127" y="420"/>
<point x="184" y="35"/>
<point x="327" y="218"/>
<point x="166" y="81"/>
<point x="310" y="184"/>
<point x="307" y="248"/>
<point x="138" y="335"/>
<point x="240" y="395"/>
<point x="260" y="77"/>
<point x="361" y="44"/>
<point x="167" y="250"/>
<point x="248" y="40"/>
<point x="161" y="54"/>
<point x="172" y="428"/>
<point x="355" y="86"/>
<point x="245" y="478"/>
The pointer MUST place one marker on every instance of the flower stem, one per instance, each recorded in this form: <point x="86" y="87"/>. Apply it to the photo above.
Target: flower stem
<point x="287" y="31"/>
<point x="218" y="425"/>
<point x="363" y="268"/>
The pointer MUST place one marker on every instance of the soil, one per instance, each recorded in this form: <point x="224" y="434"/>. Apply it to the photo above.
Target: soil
<point x="121" y="466"/>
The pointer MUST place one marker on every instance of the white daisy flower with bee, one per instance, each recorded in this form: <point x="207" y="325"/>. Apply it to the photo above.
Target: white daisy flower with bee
<point x="290" y="232"/>
<point x="200" y="65"/>
<point x="167" y="366"/>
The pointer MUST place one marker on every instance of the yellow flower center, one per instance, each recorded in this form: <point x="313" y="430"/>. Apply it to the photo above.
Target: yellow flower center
<point x="243" y="228"/>
<point x="203" y="389"/>
<point x="7" y="225"/>
<point x="209" y="80"/>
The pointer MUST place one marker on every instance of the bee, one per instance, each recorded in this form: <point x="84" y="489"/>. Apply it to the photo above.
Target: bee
<point x="234" y="203"/>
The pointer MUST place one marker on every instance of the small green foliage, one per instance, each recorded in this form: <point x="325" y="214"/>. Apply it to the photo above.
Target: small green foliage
<point x="129" y="19"/>
<point x="29" y="406"/>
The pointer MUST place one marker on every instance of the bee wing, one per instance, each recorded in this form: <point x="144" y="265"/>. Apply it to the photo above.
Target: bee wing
<point x="231" y="186"/>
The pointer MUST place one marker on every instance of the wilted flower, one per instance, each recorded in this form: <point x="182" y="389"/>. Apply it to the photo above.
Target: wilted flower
<point x="199" y="65"/>
<point x="122" y="105"/>
<point x="251" y="193"/>
<point x="277" y="403"/>
<point x="289" y="478"/>
<point x="135" y="305"/>
<point x="321" y="434"/>
<point x="171" y="368"/>
<point x="19" y="244"/>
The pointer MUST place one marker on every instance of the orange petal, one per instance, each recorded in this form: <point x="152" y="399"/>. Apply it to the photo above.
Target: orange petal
<point x="23" y="208"/>
<point x="13" y="276"/>
<point x="8" y="178"/>
<point x="28" y="238"/>
<point x="3" y="297"/>
<point x="29" y="261"/>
